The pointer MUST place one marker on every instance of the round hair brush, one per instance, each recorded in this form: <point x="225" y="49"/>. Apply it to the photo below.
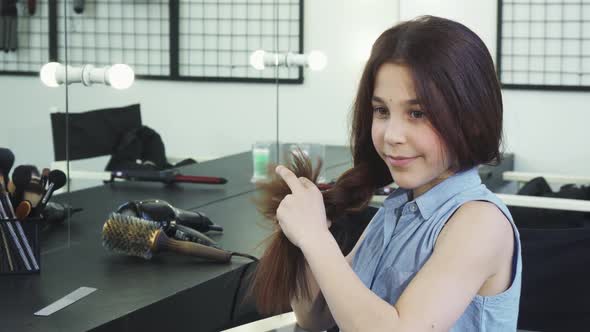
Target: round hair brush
<point x="139" y="237"/>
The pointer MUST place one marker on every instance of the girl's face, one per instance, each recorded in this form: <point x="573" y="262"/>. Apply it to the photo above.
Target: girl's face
<point x="403" y="135"/>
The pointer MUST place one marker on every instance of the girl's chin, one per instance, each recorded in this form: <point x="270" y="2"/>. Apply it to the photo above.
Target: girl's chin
<point x="405" y="179"/>
<point x="410" y="185"/>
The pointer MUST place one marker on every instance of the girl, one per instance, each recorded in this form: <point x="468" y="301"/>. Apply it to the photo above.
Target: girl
<point x="443" y="252"/>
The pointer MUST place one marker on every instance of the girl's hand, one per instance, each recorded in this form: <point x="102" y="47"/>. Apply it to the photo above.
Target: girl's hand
<point x="301" y="214"/>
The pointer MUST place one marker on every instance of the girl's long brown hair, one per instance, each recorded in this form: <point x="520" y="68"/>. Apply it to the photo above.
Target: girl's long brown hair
<point x="457" y="87"/>
<point x="280" y="274"/>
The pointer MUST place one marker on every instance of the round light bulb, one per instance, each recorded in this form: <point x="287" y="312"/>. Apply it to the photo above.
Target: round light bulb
<point x="257" y="59"/>
<point x="317" y="60"/>
<point x="48" y="74"/>
<point x="120" y="76"/>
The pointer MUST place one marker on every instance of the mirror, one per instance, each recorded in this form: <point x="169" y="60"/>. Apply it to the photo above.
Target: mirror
<point x="27" y="45"/>
<point x="318" y="113"/>
<point x="194" y="93"/>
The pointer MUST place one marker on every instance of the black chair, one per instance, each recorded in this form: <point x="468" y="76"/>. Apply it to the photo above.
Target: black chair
<point x="94" y="133"/>
<point x="115" y="132"/>
<point x="111" y="132"/>
<point x="556" y="261"/>
<point x="555" y="279"/>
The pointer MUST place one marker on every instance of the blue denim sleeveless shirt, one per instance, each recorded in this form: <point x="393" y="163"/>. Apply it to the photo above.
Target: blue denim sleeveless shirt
<point x="401" y="238"/>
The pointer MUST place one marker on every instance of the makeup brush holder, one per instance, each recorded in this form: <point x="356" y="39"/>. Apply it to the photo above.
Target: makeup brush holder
<point x="20" y="250"/>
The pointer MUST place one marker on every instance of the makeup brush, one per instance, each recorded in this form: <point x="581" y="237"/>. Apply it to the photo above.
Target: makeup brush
<point x="23" y="210"/>
<point x="33" y="191"/>
<point x="6" y="248"/>
<point x="139" y="237"/>
<point x="44" y="177"/>
<point x="55" y="180"/>
<point x="11" y="187"/>
<point x="6" y="161"/>
<point x="21" y="176"/>
<point x="55" y="213"/>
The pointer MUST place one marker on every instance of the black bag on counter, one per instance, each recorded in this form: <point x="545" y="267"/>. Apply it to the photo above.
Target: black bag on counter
<point x="550" y="218"/>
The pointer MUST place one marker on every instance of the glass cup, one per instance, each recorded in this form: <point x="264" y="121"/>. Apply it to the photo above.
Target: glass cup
<point x="261" y="157"/>
<point x="313" y="151"/>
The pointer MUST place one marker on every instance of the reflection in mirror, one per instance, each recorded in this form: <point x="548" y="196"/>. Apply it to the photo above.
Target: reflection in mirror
<point x="162" y="105"/>
<point x="27" y="103"/>
<point x="194" y="79"/>
<point x="183" y="131"/>
<point x="318" y="113"/>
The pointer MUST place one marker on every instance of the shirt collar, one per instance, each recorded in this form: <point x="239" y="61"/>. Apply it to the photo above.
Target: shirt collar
<point x="436" y="196"/>
<point x="397" y="198"/>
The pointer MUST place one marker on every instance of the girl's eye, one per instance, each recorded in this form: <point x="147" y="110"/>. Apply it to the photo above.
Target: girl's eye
<point x="417" y="114"/>
<point x="380" y="111"/>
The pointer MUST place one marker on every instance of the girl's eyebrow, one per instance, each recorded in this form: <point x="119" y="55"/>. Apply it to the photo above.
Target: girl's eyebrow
<point x="411" y="102"/>
<point x="377" y="99"/>
<point x="408" y="102"/>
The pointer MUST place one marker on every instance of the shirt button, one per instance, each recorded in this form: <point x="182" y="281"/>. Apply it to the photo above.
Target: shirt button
<point x="413" y="208"/>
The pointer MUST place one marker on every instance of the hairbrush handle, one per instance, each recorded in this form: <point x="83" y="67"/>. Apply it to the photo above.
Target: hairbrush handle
<point x="192" y="249"/>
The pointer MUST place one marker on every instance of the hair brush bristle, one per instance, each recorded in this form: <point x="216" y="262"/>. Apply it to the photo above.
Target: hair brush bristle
<point x="129" y="235"/>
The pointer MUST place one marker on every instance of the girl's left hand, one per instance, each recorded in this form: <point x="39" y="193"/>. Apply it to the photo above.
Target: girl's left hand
<point x="301" y="214"/>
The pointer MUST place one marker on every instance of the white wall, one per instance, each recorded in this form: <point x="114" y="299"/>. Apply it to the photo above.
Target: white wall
<point x="26" y="128"/>
<point x="345" y="30"/>
<point x="547" y="131"/>
<point x="212" y="119"/>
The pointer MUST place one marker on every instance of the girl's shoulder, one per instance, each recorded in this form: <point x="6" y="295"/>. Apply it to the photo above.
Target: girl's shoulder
<point x="480" y="199"/>
<point x="475" y="210"/>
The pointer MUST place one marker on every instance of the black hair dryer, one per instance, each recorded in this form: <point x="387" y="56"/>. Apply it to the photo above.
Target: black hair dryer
<point x="159" y="210"/>
<point x="180" y="224"/>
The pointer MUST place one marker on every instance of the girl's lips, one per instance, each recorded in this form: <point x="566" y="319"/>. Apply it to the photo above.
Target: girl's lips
<point x="399" y="162"/>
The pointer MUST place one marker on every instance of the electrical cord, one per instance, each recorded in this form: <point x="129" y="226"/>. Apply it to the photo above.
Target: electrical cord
<point x="244" y="255"/>
<point x="234" y="305"/>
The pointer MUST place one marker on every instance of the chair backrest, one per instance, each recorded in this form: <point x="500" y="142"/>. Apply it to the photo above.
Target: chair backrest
<point x="555" y="279"/>
<point x="93" y="133"/>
